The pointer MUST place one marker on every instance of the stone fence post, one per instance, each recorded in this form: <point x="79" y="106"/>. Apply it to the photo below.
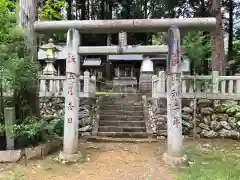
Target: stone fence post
<point x="86" y="81"/>
<point x="10" y="119"/>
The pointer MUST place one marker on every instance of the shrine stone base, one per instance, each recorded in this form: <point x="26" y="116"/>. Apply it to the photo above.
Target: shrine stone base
<point x="175" y="161"/>
<point x="72" y="158"/>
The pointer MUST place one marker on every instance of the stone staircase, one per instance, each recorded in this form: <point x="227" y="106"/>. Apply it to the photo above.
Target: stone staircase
<point x="122" y="117"/>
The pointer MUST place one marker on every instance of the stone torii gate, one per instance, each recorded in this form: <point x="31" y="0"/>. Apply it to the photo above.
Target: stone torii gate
<point x="75" y="28"/>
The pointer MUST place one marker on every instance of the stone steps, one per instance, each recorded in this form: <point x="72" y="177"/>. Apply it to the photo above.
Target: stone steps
<point x="120" y="129"/>
<point x="121" y="107"/>
<point x="122" y="123"/>
<point x="124" y="134"/>
<point x="126" y="103"/>
<point x="121" y="112"/>
<point x="120" y="118"/>
<point x="120" y="140"/>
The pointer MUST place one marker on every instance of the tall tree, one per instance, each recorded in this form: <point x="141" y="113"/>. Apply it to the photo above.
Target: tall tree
<point x="218" y="44"/>
<point x="230" y="7"/>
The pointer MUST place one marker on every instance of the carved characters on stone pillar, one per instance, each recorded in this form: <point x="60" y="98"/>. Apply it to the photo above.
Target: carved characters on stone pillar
<point x="175" y="99"/>
<point x="69" y="120"/>
<point x="175" y="60"/>
<point x="71" y="58"/>
<point x="70" y="106"/>
<point x="70" y="91"/>
<point x="174" y="86"/>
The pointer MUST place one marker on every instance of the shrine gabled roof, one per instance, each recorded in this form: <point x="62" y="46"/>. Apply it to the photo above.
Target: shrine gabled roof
<point x="126" y="57"/>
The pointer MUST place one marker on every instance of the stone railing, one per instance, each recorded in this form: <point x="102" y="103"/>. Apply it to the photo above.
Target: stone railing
<point x="207" y="87"/>
<point x="53" y="86"/>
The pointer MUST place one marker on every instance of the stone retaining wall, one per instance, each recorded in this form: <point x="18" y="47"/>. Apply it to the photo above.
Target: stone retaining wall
<point x="54" y="107"/>
<point x="213" y="118"/>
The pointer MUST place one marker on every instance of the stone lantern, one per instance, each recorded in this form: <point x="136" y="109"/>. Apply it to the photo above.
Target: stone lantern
<point x="50" y="50"/>
<point x="146" y="73"/>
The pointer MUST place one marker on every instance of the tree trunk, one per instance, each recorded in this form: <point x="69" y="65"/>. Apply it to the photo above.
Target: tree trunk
<point x="69" y="11"/>
<point x="83" y="10"/>
<point x="217" y="38"/>
<point x="230" y="31"/>
<point x="146" y="16"/>
<point x="102" y="9"/>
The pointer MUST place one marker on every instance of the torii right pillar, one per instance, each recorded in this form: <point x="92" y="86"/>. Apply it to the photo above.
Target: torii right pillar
<point x="174" y="155"/>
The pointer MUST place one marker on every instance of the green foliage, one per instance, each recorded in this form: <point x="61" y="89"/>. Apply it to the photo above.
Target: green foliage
<point x="231" y="108"/>
<point x="51" y="10"/>
<point x="197" y="49"/>
<point x="17" y="73"/>
<point x="236" y="47"/>
<point x="34" y="130"/>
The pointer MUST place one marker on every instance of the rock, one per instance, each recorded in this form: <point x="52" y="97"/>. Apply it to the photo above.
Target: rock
<point x="232" y="119"/>
<point x="86" y="128"/>
<point x="206" y="111"/>
<point x="232" y="122"/>
<point x="220" y="117"/>
<point x="209" y="134"/>
<point x="225" y="125"/>
<point x="212" y="134"/>
<point x="238" y="124"/>
<point x="237" y="116"/>
<point x="206" y="119"/>
<point x="215" y="125"/>
<point x="10" y="156"/>
<point x="187" y="124"/>
<point x="187" y="110"/>
<point x="202" y="103"/>
<point x="224" y="133"/>
<point x="187" y="117"/>
<point x="204" y="126"/>
<point x="221" y="108"/>
<point x="216" y="103"/>
<point x="234" y="134"/>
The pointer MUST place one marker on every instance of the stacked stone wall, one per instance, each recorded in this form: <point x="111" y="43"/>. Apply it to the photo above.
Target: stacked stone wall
<point x="54" y="108"/>
<point x="214" y="118"/>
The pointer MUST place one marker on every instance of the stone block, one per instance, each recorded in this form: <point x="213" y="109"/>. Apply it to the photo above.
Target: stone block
<point x="33" y="153"/>
<point x="10" y="156"/>
<point x="46" y="148"/>
<point x="55" y="145"/>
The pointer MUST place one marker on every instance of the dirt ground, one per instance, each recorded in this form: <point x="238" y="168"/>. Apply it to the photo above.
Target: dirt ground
<point x="101" y="161"/>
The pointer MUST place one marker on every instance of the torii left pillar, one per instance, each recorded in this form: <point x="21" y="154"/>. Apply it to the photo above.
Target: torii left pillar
<point x="71" y="92"/>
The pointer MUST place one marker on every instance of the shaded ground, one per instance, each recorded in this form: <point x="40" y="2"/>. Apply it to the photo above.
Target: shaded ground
<point x="108" y="161"/>
<point x="209" y="159"/>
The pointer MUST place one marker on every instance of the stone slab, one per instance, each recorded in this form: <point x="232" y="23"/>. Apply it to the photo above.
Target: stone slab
<point x="10" y="156"/>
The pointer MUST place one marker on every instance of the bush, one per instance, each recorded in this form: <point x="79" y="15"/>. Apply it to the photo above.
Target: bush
<point x="34" y="130"/>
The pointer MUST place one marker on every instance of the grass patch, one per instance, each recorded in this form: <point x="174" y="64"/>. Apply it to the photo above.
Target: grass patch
<point x="220" y="163"/>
